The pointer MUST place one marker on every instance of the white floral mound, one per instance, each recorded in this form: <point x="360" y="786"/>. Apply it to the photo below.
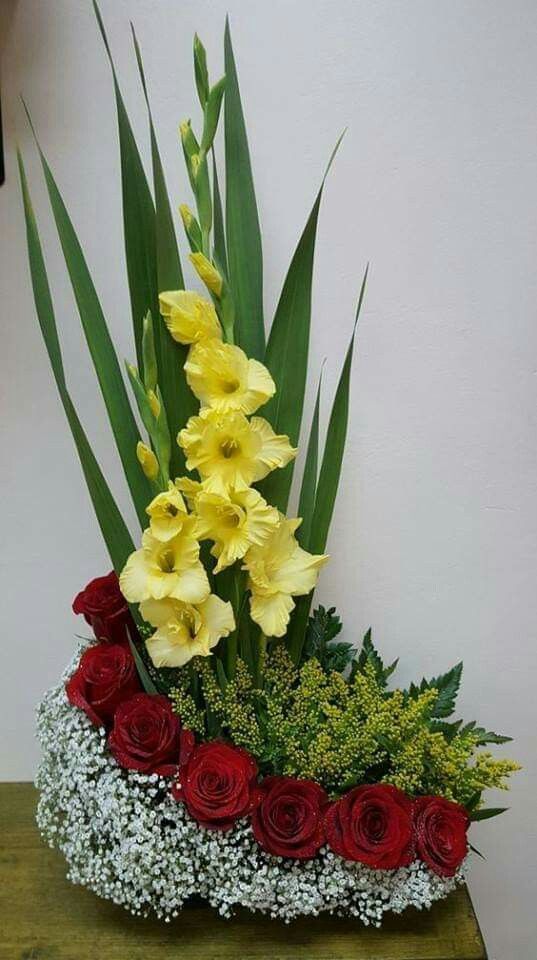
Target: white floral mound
<point x="126" y="839"/>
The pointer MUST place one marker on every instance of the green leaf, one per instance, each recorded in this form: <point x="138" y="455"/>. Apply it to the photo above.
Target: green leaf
<point x="369" y="655"/>
<point x="330" y="472"/>
<point x="243" y="235"/>
<point x="179" y="401"/>
<point x="138" y="216"/>
<point x="111" y="523"/>
<point x="287" y="351"/>
<point x="212" y="114"/>
<point x="220" y="255"/>
<point x="483" y="736"/>
<point x="143" y="672"/>
<point x="306" y="503"/>
<point x="200" y="70"/>
<point x="485" y="813"/>
<point x="99" y="343"/>
<point x="447" y="685"/>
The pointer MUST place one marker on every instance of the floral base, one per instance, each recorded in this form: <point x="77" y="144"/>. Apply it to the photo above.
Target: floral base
<point x="125" y="838"/>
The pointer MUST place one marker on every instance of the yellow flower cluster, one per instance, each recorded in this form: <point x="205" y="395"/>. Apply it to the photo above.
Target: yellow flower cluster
<point x="313" y="724"/>
<point x="231" y="449"/>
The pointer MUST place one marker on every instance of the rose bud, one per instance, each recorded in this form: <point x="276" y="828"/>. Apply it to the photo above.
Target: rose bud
<point x="148" y="736"/>
<point x="441" y="828"/>
<point x="105" y="609"/>
<point x="105" y="676"/>
<point x="217" y="784"/>
<point x="288" y="818"/>
<point x="372" y="825"/>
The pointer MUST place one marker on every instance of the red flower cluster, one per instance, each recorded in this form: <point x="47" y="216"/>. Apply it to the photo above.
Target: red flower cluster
<point x="377" y="825"/>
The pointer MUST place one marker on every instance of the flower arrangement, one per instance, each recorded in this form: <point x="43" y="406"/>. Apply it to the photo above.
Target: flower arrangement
<point x="215" y="736"/>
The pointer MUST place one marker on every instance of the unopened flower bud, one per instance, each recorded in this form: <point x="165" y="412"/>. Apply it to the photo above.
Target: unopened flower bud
<point x="147" y="461"/>
<point x="208" y="273"/>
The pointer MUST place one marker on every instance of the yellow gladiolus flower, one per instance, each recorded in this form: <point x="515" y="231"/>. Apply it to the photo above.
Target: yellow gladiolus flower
<point x="279" y="570"/>
<point x="221" y="376"/>
<point x="188" y="316"/>
<point x="234" y="522"/>
<point x="185" y="630"/>
<point x="147" y="460"/>
<point x="230" y="451"/>
<point x="170" y="568"/>
<point x="207" y="272"/>
<point x="168" y="514"/>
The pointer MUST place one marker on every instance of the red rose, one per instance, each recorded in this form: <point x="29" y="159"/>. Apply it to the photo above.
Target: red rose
<point x="105" y="609"/>
<point x="217" y="784"/>
<point x="105" y="676"/>
<point x="288" y="818"/>
<point x="147" y="736"/>
<point x="372" y="824"/>
<point x="441" y="827"/>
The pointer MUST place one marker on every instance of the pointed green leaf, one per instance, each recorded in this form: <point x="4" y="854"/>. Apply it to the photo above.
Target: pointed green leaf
<point x="200" y="70"/>
<point x="245" y="257"/>
<point x="138" y="216"/>
<point x="113" y="528"/>
<point x="220" y="255"/>
<point x="287" y="351"/>
<point x="179" y="401"/>
<point x="487" y="812"/>
<point x="330" y="472"/>
<point x="447" y="685"/>
<point x="99" y="342"/>
<point x="306" y="503"/>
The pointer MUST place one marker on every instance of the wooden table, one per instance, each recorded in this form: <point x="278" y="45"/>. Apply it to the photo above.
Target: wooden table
<point x="43" y="917"/>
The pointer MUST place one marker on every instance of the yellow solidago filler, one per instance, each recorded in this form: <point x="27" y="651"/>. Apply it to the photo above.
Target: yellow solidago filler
<point x="185" y="630"/>
<point x="188" y="316"/>
<point x="147" y="461"/>
<point x="279" y="569"/>
<point x="230" y="451"/>
<point x="207" y="272"/>
<point x="220" y="375"/>
<point x="169" y="568"/>
<point x="168" y="514"/>
<point x="234" y="522"/>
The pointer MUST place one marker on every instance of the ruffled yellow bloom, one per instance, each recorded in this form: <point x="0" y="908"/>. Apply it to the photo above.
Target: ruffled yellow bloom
<point x="209" y="274"/>
<point x="230" y="451"/>
<point x="279" y="570"/>
<point x="221" y="376"/>
<point x="185" y="630"/>
<point x="188" y="316"/>
<point x="170" y="568"/>
<point x="235" y="522"/>
<point x="168" y="514"/>
<point x="147" y="460"/>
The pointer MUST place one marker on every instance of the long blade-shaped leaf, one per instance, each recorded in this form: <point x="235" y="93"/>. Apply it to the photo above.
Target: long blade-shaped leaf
<point x="287" y="351"/>
<point x="179" y="400"/>
<point x="100" y="345"/>
<point x="334" y="447"/>
<point x="220" y="254"/>
<point x="138" y="216"/>
<point x="325" y="494"/>
<point x="306" y="503"/>
<point x="113" y="528"/>
<point x="245" y="257"/>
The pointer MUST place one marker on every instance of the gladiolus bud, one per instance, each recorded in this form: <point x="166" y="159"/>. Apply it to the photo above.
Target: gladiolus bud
<point x="154" y="403"/>
<point x="147" y="461"/>
<point x="208" y="273"/>
<point x="192" y="228"/>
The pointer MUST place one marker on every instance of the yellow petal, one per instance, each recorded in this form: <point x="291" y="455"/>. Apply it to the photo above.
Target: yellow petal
<point x="191" y="585"/>
<point x="272" y="613"/>
<point x="221" y="376"/>
<point x="275" y="451"/>
<point x="188" y="316"/>
<point x="133" y="578"/>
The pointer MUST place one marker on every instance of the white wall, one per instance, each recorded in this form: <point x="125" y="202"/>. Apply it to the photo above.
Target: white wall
<point x="435" y="534"/>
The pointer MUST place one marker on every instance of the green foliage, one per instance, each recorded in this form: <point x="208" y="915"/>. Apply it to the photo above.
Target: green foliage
<point x="323" y="627"/>
<point x="313" y="722"/>
<point x="447" y="685"/>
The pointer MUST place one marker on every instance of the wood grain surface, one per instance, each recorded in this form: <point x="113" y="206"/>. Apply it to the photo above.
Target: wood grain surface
<point x="44" y="917"/>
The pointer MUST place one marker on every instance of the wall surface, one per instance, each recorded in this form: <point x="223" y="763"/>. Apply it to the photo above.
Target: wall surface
<point x="434" y="539"/>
